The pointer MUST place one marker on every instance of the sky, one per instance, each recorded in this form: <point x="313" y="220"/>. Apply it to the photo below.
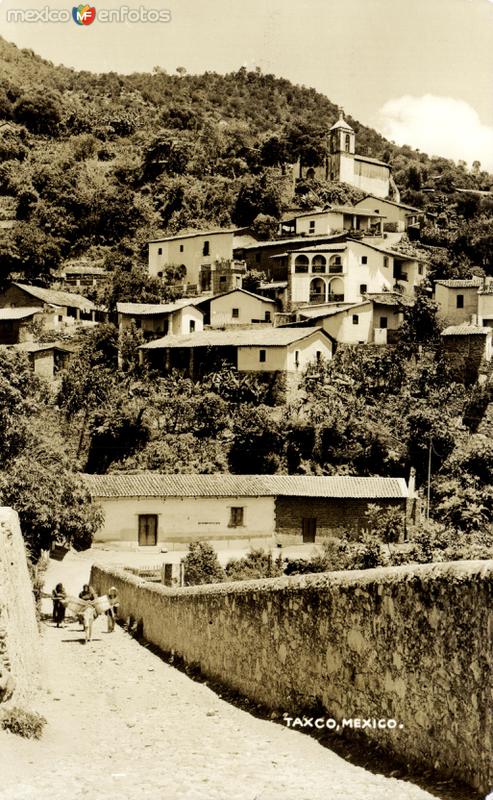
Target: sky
<point x="419" y="71"/>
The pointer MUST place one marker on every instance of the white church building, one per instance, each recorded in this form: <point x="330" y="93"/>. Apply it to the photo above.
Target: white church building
<point x="343" y="164"/>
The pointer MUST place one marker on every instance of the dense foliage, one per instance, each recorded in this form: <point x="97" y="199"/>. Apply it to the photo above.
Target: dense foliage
<point x="100" y="163"/>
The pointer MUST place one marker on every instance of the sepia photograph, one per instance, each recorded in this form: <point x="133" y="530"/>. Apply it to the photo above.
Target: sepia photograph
<point x="246" y="400"/>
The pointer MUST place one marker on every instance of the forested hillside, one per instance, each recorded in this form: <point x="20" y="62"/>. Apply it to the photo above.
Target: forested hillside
<point x="95" y="164"/>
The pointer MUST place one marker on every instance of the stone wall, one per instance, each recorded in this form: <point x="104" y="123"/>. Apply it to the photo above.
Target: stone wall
<point x="408" y="643"/>
<point x="464" y="356"/>
<point x="19" y="654"/>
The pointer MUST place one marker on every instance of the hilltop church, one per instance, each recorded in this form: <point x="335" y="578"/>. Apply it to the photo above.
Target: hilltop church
<point x="342" y="163"/>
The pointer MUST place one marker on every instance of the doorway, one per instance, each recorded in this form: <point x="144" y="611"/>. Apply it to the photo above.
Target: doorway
<point x="308" y="529"/>
<point x="147" y="530"/>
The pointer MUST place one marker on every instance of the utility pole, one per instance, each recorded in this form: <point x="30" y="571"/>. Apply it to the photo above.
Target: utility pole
<point x="429" y="482"/>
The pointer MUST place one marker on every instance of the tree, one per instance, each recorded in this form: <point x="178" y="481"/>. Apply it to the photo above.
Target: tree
<point x="252" y="280"/>
<point x="166" y="153"/>
<point x="258" y="195"/>
<point x="265" y="227"/>
<point x="201" y="565"/>
<point x="116" y="431"/>
<point x="40" y="113"/>
<point x="136" y="286"/>
<point x="53" y="504"/>
<point x="421" y="325"/>
<point x="256" y="444"/>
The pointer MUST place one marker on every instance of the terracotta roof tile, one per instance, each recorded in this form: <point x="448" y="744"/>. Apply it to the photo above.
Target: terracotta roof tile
<point x="153" y="484"/>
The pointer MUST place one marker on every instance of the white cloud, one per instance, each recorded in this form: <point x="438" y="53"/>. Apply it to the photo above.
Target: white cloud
<point x="440" y="126"/>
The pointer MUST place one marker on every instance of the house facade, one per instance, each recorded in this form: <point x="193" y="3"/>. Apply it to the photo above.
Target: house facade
<point x="196" y="252"/>
<point x="154" y="510"/>
<point x="346" y="272"/>
<point x="333" y="220"/>
<point x="267" y="256"/>
<point x="398" y="216"/>
<point x="252" y="350"/>
<point x="237" y="307"/>
<point x="485" y="306"/>
<point x="83" y="276"/>
<point x="375" y="320"/>
<point x="15" y="324"/>
<point x="46" y="359"/>
<point x="60" y="309"/>
<point x="160" y="319"/>
<point x="457" y="299"/>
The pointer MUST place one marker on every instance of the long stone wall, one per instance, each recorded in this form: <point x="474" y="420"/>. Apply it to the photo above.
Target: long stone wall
<point x="412" y="644"/>
<point x="19" y="638"/>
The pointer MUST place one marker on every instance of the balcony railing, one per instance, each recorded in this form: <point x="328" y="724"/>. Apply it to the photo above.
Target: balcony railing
<point x="335" y="269"/>
<point x="317" y="298"/>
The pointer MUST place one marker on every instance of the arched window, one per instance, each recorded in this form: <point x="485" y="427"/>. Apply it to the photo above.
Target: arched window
<point x="301" y="264"/>
<point x="317" y="291"/>
<point x="347" y="143"/>
<point x="319" y="264"/>
<point x="336" y="291"/>
<point x="310" y="174"/>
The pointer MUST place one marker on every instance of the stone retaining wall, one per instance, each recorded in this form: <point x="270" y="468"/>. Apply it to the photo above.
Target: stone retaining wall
<point x="19" y="653"/>
<point x="412" y="643"/>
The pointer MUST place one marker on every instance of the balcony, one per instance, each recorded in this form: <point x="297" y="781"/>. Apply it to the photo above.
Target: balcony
<point x="317" y="298"/>
<point x="336" y="269"/>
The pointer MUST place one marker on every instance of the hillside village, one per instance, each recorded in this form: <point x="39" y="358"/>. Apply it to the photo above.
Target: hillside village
<point x="246" y="404"/>
<point x="288" y="310"/>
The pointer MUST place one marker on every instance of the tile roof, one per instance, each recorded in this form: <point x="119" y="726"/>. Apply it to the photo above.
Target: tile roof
<point x="265" y="337"/>
<point x="84" y="270"/>
<point x="274" y="285"/>
<point x="390" y="299"/>
<point x="361" y="212"/>
<point x="37" y="347"/>
<point x="193" y="234"/>
<point x="56" y="298"/>
<point x="154" y="309"/>
<point x="232" y="291"/>
<point x="372" y="160"/>
<point x="387" y="251"/>
<point x="293" y="240"/>
<point x="390" y="202"/>
<point x="466" y="330"/>
<point x="321" y="312"/>
<point x="18" y="313"/>
<point x="341" y="123"/>
<point x="153" y="484"/>
<point x="461" y="283"/>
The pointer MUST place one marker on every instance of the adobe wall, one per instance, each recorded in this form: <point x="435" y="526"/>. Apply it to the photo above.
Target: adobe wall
<point x="19" y="654"/>
<point x="332" y="515"/>
<point x="408" y="643"/>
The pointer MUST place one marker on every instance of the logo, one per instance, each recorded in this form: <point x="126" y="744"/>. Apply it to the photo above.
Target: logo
<point x="83" y="15"/>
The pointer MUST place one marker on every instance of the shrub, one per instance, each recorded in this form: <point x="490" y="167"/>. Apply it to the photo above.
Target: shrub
<point x="257" y="563"/>
<point x="24" y="723"/>
<point x="201" y="565"/>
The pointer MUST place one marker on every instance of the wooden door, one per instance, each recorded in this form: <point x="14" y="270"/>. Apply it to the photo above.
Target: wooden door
<point x="309" y="529"/>
<point x="147" y="530"/>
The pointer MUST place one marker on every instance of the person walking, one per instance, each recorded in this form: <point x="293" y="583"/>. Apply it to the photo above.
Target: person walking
<point x="59" y="597"/>
<point x="112" y="612"/>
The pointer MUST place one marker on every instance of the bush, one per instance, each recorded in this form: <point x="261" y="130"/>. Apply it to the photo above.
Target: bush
<point x="201" y="565"/>
<point x="257" y="563"/>
<point x="24" y="723"/>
